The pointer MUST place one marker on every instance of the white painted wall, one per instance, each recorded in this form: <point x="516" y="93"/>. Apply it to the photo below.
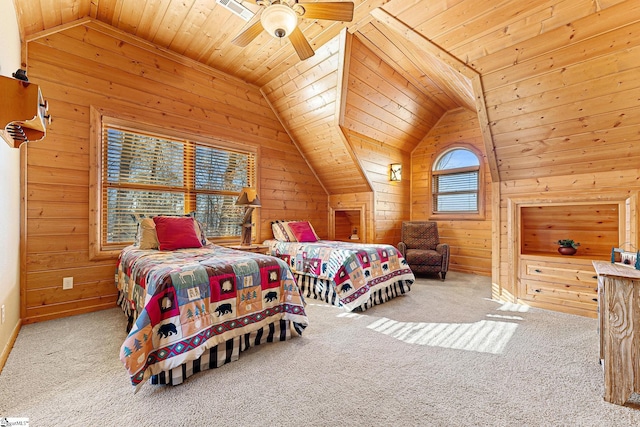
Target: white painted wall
<point x="9" y="190"/>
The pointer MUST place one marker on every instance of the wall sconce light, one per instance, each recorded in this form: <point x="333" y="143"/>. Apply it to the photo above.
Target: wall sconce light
<point x="395" y="172"/>
<point x="248" y="198"/>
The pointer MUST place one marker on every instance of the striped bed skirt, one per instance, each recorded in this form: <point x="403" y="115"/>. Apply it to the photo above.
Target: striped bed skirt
<point x="127" y="309"/>
<point x="324" y="290"/>
<point x="224" y="353"/>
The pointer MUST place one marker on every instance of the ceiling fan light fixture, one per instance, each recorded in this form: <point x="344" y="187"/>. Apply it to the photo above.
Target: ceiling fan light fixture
<point x="279" y="20"/>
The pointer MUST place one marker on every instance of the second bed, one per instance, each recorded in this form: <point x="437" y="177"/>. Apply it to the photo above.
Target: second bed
<point x="350" y="275"/>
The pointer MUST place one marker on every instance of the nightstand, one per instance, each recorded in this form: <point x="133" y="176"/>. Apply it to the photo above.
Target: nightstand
<point x="258" y="249"/>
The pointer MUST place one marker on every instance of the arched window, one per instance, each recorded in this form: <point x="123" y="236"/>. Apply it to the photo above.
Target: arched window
<point x="456" y="185"/>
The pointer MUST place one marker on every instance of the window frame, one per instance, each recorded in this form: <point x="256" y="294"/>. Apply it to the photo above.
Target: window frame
<point x="98" y="249"/>
<point x="480" y="214"/>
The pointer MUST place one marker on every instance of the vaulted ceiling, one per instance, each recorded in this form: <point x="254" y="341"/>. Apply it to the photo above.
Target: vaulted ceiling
<point x="203" y="30"/>
<point x="548" y="78"/>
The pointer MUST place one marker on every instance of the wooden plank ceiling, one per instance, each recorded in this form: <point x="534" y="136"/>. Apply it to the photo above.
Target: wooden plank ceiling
<point x="551" y="91"/>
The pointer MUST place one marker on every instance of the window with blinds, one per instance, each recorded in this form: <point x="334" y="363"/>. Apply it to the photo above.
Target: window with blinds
<point x="150" y="175"/>
<point x="456" y="183"/>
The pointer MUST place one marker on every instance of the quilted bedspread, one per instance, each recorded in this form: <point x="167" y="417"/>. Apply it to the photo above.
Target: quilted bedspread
<point x="355" y="270"/>
<point x="189" y="300"/>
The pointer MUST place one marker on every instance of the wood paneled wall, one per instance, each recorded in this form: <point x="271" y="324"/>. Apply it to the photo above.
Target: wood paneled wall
<point x="94" y="65"/>
<point x="445" y="86"/>
<point x="383" y="105"/>
<point x="566" y="123"/>
<point x="307" y="101"/>
<point x="572" y="109"/>
<point x="391" y="200"/>
<point x="593" y="226"/>
<point x="392" y="113"/>
<point x="470" y="240"/>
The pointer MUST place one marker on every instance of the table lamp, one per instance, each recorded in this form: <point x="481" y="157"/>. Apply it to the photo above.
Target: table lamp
<point x="249" y="198"/>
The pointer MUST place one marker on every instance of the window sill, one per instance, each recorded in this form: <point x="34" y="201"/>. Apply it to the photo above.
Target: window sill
<point x="457" y="216"/>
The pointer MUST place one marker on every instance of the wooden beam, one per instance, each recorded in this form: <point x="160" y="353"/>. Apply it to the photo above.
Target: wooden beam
<point x="293" y="140"/>
<point x="485" y="129"/>
<point x="344" y="64"/>
<point x="59" y="29"/>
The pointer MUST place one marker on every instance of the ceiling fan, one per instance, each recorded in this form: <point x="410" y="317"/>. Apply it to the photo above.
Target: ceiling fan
<point x="279" y="18"/>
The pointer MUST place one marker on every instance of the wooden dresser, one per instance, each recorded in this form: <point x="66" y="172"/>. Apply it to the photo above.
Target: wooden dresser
<point x="619" y="314"/>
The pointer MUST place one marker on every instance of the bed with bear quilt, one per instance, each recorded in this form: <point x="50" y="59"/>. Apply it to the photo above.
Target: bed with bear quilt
<point x="355" y="276"/>
<point x="198" y="308"/>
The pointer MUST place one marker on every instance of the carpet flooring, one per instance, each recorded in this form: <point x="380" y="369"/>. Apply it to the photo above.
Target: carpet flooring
<point x="443" y="355"/>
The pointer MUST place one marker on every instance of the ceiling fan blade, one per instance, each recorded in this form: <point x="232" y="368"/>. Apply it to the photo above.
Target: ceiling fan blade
<point x="300" y="44"/>
<point x="333" y="11"/>
<point x="248" y="35"/>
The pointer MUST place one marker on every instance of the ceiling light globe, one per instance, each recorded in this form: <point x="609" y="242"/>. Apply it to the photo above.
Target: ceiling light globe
<point x="279" y="20"/>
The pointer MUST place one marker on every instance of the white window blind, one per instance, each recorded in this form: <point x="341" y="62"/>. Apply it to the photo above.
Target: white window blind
<point x="154" y="175"/>
<point x="456" y="184"/>
<point x="457" y="192"/>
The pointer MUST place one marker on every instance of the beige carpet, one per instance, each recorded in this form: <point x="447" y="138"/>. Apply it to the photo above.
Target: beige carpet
<point x="443" y="355"/>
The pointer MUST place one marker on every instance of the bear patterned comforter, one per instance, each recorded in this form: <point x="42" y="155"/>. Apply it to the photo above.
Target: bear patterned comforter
<point x="354" y="272"/>
<point x="189" y="300"/>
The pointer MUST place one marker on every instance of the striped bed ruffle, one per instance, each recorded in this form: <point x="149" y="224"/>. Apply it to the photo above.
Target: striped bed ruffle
<point x="322" y="289"/>
<point x="224" y="353"/>
<point x="127" y="309"/>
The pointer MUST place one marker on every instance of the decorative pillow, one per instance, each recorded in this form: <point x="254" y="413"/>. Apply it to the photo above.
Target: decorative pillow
<point x="147" y="238"/>
<point x="303" y="231"/>
<point x="312" y="229"/>
<point x="176" y="233"/>
<point x="147" y="233"/>
<point x="282" y="232"/>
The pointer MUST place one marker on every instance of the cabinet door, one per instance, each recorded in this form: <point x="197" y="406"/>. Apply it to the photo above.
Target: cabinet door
<point x="551" y="284"/>
<point x="576" y="274"/>
<point x="560" y="294"/>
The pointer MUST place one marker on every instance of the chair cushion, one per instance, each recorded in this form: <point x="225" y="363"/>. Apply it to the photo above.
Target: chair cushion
<point x="420" y="234"/>
<point x="423" y="257"/>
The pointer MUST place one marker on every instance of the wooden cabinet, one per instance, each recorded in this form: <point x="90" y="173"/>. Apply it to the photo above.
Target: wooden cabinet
<point x="565" y="282"/>
<point x="23" y="112"/>
<point x="347" y="224"/>
<point x="619" y="315"/>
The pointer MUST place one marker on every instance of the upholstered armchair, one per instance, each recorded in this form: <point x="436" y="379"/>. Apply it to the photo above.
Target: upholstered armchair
<point x="422" y="249"/>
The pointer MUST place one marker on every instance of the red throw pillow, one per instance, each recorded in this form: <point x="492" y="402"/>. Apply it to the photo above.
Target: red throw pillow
<point x="176" y="233"/>
<point x="303" y="231"/>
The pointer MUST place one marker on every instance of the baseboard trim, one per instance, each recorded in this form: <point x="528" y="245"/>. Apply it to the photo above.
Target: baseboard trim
<point x="7" y="349"/>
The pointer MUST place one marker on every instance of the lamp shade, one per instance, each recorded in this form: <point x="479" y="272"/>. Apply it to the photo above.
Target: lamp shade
<point x="279" y="20"/>
<point x="248" y="197"/>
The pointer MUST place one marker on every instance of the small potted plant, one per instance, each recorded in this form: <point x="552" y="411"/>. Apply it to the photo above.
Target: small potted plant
<point x="567" y="246"/>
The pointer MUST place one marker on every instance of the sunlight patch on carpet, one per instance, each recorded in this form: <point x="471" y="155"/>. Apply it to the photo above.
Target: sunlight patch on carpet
<point x="350" y="315"/>
<point x="484" y="336"/>
<point x="502" y="316"/>
<point x="510" y="306"/>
